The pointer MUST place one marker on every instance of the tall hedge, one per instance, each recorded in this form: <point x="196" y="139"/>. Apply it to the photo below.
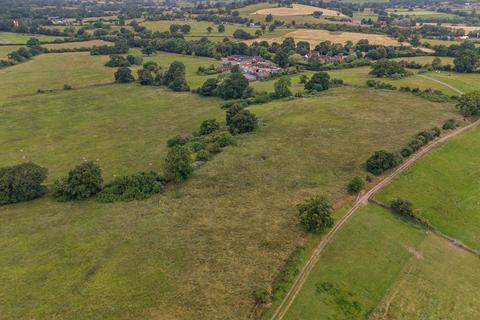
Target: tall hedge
<point x="22" y="182"/>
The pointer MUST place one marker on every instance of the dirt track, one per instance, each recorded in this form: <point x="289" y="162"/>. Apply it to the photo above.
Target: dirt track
<point x="362" y="200"/>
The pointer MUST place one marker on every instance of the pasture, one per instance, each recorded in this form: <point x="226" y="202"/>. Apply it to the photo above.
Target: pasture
<point x="22" y="38"/>
<point x="465" y="82"/>
<point x="202" y="247"/>
<point x="358" y="267"/>
<point x="444" y="188"/>
<point x="74" y="45"/>
<point x="437" y="283"/>
<point x="359" y="76"/>
<point x="297" y="10"/>
<point x="5" y="50"/>
<point x="199" y="29"/>
<point x="421" y="13"/>
<point x="314" y="37"/>
<point x="426" y="59"/>
<point x="51" y="72"/>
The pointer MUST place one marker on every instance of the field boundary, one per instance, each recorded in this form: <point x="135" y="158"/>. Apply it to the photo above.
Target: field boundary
<point x="360" y="202"/>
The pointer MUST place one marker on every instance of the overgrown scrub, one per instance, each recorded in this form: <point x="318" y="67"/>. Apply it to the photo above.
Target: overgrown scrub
<point x="138" y="186"/>
<point x="82" y="182"/>
<point x="469" y="104"/>
<point x="429" y="94"/>
<point x="356" y="185"/>
<point x="287" y="274"/>
<point x="22" y="182"/>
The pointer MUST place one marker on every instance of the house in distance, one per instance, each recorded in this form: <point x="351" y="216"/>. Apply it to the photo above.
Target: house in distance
<point x="253" y="68"/>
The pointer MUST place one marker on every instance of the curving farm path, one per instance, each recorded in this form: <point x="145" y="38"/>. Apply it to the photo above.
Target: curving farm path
<point x="361" y="201"/>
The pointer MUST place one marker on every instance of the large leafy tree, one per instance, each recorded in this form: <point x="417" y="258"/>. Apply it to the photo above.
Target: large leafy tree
<point x="316" y="214"/>
<point x="388" y="68"/>
<point x="469" y="104"/>
<point x="82" y="182"/>
<point x="174" y="78"/>
<point x="244" y="121"/>
<point x="233" y="86"/>
<point x="320" y="81"/>
<point x="467" y="61"/>
<point x="282" y="87"/>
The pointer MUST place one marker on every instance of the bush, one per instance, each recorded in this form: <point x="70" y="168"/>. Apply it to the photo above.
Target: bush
<point x="244" y="121"/>
<point x="84" y="181"/>
<point x="22" y="182"/>
<point x="202" y="155"/>
<point x="209" y="126"/>
<point x="469" y="104"/>
<point x="356" y="185"/>
<point x="232" y="112"/>
<point x="178" y="164"/>
<point x="124" y="75"/>
<point x="402" y="207"/>
<point x="315" y="214"/>
<point x="449" y="124"/>
<point x="208" y="88"/>
<point x="135" y="187"/>
<point x="178" y="140"/>
<point x="262" y="295"/>
<point x="382" y="161"/>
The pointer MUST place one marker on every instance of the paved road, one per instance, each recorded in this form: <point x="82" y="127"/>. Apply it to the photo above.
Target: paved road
<point x="361" y="201"/>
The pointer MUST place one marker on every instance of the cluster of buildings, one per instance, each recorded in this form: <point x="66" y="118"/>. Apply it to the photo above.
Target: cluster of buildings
<point x="253" y="68"/>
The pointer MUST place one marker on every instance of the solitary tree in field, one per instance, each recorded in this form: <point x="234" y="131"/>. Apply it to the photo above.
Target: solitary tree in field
<point x="316" y="214"/>
<point x="221" y="28"/>
<point x="244" y="121"/>
<point x="269" y="18"/>
<point x="209" y="29"/>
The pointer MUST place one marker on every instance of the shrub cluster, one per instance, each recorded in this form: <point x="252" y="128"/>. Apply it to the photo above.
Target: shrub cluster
<point x="402" y="207"/>
<point x="240" y="120"/>
<point x="450" y="124"/>
<point x="420" y="140"/>
<point x="212" y="69"/>
<point x="388" y="68"/>
<point x="173" y="78"/>
<point x="22" y="182"/>
<point x="201" y="146"/>
<point x="382" y="161"/>
<point x="138" y="186"/>
<point x="356" y="185"/>
<point x="380" y="85"/>
<point x="117" y="61"/>
<point x="429" y="94"/>
<point x="82" y="182"/>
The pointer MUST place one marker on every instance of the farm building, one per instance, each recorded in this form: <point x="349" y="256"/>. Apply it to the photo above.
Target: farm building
<point x="253" y="68"/>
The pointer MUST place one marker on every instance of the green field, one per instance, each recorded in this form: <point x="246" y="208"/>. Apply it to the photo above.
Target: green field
<point x="200" y="249"/>
<point x="52" y="71"/>
<point x="359" y="76"/>
<point x="420" y="13"/>
<point x="5" y="50"/>
<point x="79" y="69"/>
<point x="426" y="59"/>
<point x="465" y="82"/>
<point x="20" y="38"/>
<point x="199" y="29"/>
<point x="439" y="282"/>
<point x="444" y="188"/>
<point x="358" y="267"/>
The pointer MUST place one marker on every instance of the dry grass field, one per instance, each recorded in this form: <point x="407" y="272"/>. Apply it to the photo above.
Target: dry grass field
<point x="317" y="36"/>
<point x="73" y="45"/>
<point x="297" y="10"/>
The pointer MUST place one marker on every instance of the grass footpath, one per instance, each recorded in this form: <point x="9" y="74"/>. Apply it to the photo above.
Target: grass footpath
<point x="22" y="38"/>
<point x="444" y="188"/>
